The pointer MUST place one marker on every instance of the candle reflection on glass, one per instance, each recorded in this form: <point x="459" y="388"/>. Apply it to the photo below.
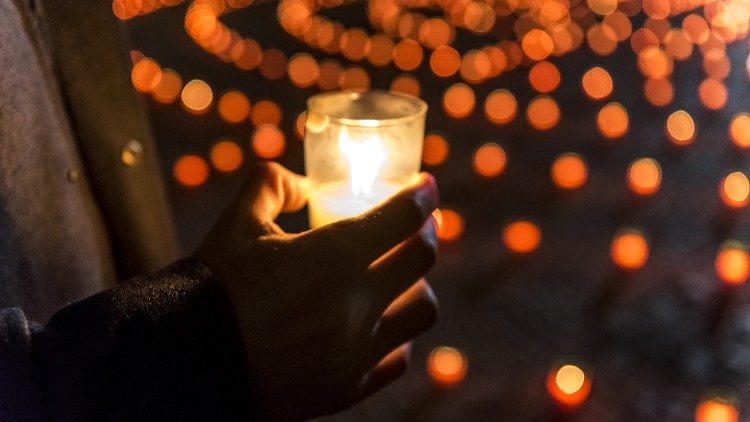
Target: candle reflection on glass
<point x="360" y="149"/>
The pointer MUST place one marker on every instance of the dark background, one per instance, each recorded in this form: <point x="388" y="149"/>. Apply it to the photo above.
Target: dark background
<point x="647" y="336"/>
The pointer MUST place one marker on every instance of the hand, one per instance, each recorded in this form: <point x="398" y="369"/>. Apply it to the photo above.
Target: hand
<point x="326" y="315"/>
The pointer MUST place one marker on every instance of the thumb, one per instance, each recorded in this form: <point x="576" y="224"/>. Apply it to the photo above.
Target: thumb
<point x="269" y="190"/>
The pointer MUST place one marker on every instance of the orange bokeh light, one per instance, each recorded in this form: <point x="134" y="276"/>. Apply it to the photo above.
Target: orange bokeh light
<point x="543" y="112"/>
<point x="612" y="120"/>
<point x="490" y="160"/>
<point x="597" y="83"/>
<point x="226" y="156"/>
<point x="168" y="88"/>
<point x="713" y="94"/>
<point x="190" y="170"/>
<point x="145" y="75"/>
<point x="406" y="84"/>
<point x="739" y="130"/>
<point x="568" y="385"/>
<point x="544" y="77"/>
<point x="537" y="44"/>
<point x="522" y="236"/>
<point x="447" y="366"/>
<point x="569" y="171"/>
<point x="450" y="224"/>
<point x="735" y="190"/>
<point x="265" y="112"/>
<point x="716" y="410"/>
<point x="732" y="263"/>
<point x="629" y="250"/>
<point x="459" y="100"/>
<point x="407" y="54"/>
<point x="500" y="106"/>
<point x="644" y="176"/>
<point x="658" y="91"/>
<point x="445" y="61"/>
<point x="602" y="39"/>
<point x="435" y="149"/>
<point x="234" y="107"/>
<point x="197" y="96"/>
<point x="268" y="141"/>
<point x="680" y="128"/>
<point x="303" y="70"/>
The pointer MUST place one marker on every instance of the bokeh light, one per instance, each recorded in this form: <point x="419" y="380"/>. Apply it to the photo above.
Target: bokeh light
<point x="644" y="176"/>
<point x="568" y="385"/>
<point x="447" y="366"/>
<point x="629" y="249"/>
<point x="265" y="112"/>
<point x="226" y="156"/>
<point x="543" y="112"/>
<point x="522" y="236"/>
<point x="234" y="107"/>
<point x="732" y="263"/>
<point x="268" y="141"/>
<point x="716" y="410"/>
<point x="735" y="190"/>
<point x="435" y="149"/>
<point x="450" y="224"/>
<point x="680" y="128"/>
<point x="569" y="171"/>
<point x="197" y="96"/>
<point x="544" y="77"/>
<point x="739" y="130"/>
<point x="500" y="106"/>
<point x="597" y="83"/>
<point x="612" y="120"/>
<point x="490" y="160"/>
<point x="459" y="100"/>
<point x="168" y="88"/>
<point x="190" y="170"/>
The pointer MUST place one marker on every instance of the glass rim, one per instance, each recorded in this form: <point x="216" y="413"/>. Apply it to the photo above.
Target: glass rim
<point x="420" y="105"/>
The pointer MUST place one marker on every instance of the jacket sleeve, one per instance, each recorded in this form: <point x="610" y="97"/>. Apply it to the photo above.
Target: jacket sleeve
<point x="163" y="346"/>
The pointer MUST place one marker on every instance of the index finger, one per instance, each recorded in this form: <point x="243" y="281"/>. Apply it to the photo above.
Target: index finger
<point x="385" y="226"/>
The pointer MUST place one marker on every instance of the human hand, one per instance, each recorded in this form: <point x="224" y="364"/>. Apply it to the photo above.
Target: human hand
<point x="326" y="315"/>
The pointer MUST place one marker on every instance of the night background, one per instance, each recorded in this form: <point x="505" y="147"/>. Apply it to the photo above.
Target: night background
<point x="634" y="274"/>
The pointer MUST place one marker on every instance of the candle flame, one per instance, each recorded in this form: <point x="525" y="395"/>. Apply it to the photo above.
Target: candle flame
<point x="365" y="158"/>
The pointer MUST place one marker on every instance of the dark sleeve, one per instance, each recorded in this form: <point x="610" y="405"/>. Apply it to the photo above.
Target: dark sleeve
<point x="163" y="346"/>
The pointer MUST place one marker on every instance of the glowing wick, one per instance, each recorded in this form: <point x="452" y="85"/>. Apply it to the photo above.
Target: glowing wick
<point x="365" y="158"/>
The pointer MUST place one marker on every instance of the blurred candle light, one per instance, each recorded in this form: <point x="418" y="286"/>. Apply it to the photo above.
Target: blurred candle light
<point x="680" y="128"/>
<point x="458" y="100"/>
<point x="568" y="385"/>
<point x="629" y="249"/>
<point x="735" y="190"/>
<point x="732" y="263"/>
<point x="597" y="83"/>
<point x="716" y="409"/>
<point x="543" y="112"/>
<point x="612" y="120"/>
<point x="447" y="366"/>
<point x="233" y="107"/>
<point x="226" y="156"/>
<point x="739" y="130"/>
<point x="268" y="141"/>
<point x="360" y="149"/>
<point x="190" y="170"/>
<point x="197" y="96"/>
<point x="490" y="160"/>
<point x="450" y="224"/>
<point x="569" y="171"/>
<point x="435" y="150"/>
<point x="522" y="236"/>
<point x="644" y="176"/>
<point x="500" y="106"/>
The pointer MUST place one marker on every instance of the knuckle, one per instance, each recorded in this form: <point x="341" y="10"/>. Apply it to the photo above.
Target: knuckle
<point x="429" y="306"/>
<point x="411" y="210"/>
<point x="265" y="170"/>
<point x="428" y="252"/>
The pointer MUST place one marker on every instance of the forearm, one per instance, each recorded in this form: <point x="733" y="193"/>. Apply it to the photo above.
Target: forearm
<point x="159" y="346"/>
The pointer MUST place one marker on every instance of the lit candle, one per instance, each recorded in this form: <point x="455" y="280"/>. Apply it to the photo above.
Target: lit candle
<point x="360" y="149"/>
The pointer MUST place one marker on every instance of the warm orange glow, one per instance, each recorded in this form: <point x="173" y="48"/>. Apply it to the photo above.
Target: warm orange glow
<point x="612" y="120"/>
<point x="330" y="74"/>
<point x="435" y="32"/>
<point x="475" y="66"/>
<point x="458" y="100"/>
<point x="644" y="176"/>
<point x="355" y="78"/>
<point x="643" y="38"/>
<point x="500" y="106"/>
<point x="234" y="107"/>
<point x="522" y="236"/>
<point x="226" y="156"/>
<point x="273" y="64"/>
<point x="435" y="150"/>
<point x="299" y="125"/>
<point x="145" y="75"/>
<point x="569" y="171"/>
<point x="601" y="39"/>
<point x="542" y="112"/>
<point x="265" y="112"/>
<point x="654" y="62"/>
<point x="716" y="64"/>
<point x="544" y="77"/>
<point x="168" y="88"/>
<point x="197" y="96"/>
<point x="680" y="128"/>
<point x="620" y="24"/>
<point x="597" y="83"/>
<point x="268" y="141"/>
<point x="658" y="91"/>
<point x="537" y="44"/>
<point x="450" y="224"/>
<point x="713" y="94"/>
<point x="490" y="160"/>
<point x="353" y="44"/>
<point x="190" y="170"/>
<point x="732" y="263"/>
<point x="602" y="7"/>
<point x="406" y="84"/>
<point x="379" y="49"/>
<point x="678" y="44"/>
<point x="735" y="190"/>
<point x="739" y="130"/>
<point x="695" y="28"/>
<point x="447" y="366"/>
<point x="303" y="70"/>
<point x="629" y="250"/>
<point x="716" y="410"/>
<point x="445" y="61"/>
<point x="407" y="54"/>
<point x="568" y="385"/>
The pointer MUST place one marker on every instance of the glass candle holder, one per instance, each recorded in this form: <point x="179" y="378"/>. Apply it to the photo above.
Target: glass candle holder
<point x="360" y="149"/>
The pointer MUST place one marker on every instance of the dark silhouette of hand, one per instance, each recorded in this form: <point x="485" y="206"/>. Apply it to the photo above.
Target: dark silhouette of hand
<point x="326" y="315"/>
